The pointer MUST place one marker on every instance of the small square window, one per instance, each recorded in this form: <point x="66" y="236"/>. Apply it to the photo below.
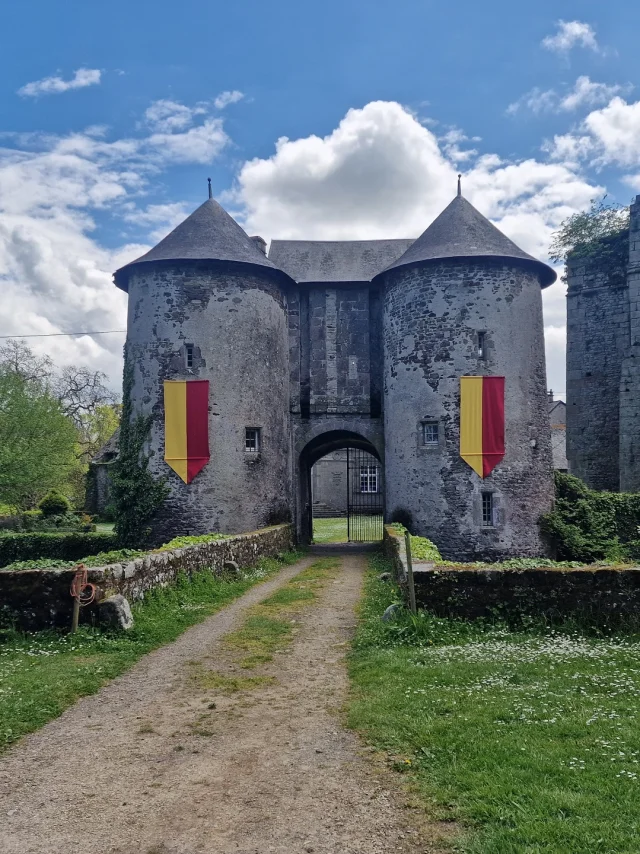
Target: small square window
<point x="252" y="440"/>
<point x="482" y="349"/>
<point x="188" y="355"/>
<point x="487" y="510"/>
<point x="430" y="433"/>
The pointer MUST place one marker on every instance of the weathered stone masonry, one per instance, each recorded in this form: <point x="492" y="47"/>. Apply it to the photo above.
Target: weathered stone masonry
<point x="332" y="344"/>
<point x="39" y="598"/>
<point x="603" y="370"/>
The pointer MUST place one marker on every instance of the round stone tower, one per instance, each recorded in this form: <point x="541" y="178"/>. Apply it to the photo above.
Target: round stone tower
<point x="207" y="304"/>
<point x="464" y="301"/>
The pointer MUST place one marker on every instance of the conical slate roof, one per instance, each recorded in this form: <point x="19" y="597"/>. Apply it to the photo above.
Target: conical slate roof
<point x="208" y="234"/>
<point x="463" y="232"/>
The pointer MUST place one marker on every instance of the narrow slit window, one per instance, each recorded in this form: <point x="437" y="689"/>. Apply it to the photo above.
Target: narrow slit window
<point x="487" y="510"/>
<point x="430" y="433"/>
<point x="368" y="478"/>
<point x="482" y="349"/>
<point x="188" y="355"/>
<point x="252" y="440"/>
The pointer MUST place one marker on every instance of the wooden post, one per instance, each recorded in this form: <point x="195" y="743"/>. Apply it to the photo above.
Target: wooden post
<point x="76" y="613"/>
<point x="410" y="584"/>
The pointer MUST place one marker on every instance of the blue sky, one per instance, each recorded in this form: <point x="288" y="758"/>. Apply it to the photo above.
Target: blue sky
<point x="113" y="117"/>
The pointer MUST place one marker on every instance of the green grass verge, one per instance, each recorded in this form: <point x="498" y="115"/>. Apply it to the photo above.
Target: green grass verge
<point x="41" y="674"/>
<point x="529" y="740"/>
<point x="330" y="530"/>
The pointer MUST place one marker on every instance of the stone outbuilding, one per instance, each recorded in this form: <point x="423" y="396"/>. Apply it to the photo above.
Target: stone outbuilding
<point x="327" y="345"/>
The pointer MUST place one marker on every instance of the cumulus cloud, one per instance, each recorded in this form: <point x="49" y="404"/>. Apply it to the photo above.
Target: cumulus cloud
<point x="609" y="136"/>
<point x="225" y="98"/>
<point x="570" y="34"/>
<point x="55" y="275"/>
<point x="382" y="173"/>
<point x="584" y="93"/>
<point x="82" y="78"/>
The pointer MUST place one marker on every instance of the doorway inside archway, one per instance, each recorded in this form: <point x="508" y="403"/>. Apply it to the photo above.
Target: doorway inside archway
<point x="343" y="489"/>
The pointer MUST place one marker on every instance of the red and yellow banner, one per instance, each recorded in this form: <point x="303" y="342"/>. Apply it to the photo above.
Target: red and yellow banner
<point x="186" y="426"/>
<point x="482" y="422"/>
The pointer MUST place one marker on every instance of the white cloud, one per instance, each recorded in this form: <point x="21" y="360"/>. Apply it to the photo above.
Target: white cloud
<point x="55" y="85"/>
<point x="225" y="98"/>
<point x="55" y="276"/>
<point x="571" y="34"/>
<point x="165" y="115"/>
<point x="584" y="93"/>
<point x="382" y="173"/>
<point x="607" y="137"/>
<point x="199" y="144"/>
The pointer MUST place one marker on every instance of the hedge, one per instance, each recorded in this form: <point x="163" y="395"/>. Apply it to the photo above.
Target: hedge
<point x="62" y="546"/>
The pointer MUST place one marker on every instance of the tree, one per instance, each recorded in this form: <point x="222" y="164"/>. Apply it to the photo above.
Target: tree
<point x="37" y="440"/>
<point x="79" y="394"/>
<point x="600" y="236"/>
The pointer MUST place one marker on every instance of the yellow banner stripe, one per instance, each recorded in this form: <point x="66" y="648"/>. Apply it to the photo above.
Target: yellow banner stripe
<point x="175" y="426"/>
<point x="471" y="422"/>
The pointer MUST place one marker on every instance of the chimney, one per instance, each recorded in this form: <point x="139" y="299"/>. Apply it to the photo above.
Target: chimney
<point x="261" y="243"/>
<point x="550" y="393"/>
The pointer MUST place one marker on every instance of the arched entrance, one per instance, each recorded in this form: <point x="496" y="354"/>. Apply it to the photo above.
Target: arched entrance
<point x="362" y="485"/>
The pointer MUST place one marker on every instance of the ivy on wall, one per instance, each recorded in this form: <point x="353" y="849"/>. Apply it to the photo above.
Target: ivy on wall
<point x="589" y="526"/>
<point x="136" y="494"/>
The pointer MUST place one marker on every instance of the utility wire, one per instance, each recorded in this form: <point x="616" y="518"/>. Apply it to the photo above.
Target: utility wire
<point x="67" y="334"/>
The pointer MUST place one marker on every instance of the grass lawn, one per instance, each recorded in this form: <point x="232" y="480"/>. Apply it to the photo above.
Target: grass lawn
<point x="104" y="527"/>
<point x="529" y="740"/>
<point x="43" y="673"/>
<point x="330" y="530"/>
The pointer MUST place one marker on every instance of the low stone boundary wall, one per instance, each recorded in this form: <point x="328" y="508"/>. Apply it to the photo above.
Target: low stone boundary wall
<point x="599" y="595"/>
<point x="39" y="598"/>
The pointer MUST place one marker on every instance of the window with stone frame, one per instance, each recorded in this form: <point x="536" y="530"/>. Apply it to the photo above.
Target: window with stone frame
<point x="252" y="440"/>
<point x="488" y="510"/>
<point x="189" y="355"/>
<point x="430" y="433"/>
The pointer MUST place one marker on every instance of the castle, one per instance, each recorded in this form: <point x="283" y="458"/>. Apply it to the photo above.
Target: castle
<point x="603" y="368"/>
<point x="324" y="345"/>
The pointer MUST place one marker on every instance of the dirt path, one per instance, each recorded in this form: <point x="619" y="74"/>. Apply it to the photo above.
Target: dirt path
<point x="146" y="765"/>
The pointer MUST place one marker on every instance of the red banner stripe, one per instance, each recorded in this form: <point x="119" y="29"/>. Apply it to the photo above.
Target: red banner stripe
<point x="197" y="427"/>
<point x="492" y="423"/>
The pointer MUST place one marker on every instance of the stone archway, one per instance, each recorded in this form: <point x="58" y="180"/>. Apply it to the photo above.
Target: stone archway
<point x="314" y="450"/>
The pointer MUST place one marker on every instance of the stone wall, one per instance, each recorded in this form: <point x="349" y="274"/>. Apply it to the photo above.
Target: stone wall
<point x="236" y="321"/>
<point x="432" y="318"/>
<point x="597" y="337"/>
<point x="603" y="370"/>
<point x="39" y="598"/>
<point x="599" y="595"/>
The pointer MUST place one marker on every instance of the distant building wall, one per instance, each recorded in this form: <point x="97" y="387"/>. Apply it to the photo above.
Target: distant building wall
<point x="330" y="485"/>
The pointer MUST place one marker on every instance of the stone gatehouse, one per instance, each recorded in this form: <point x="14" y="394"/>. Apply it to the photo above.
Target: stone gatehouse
<point x="325" y="345"/>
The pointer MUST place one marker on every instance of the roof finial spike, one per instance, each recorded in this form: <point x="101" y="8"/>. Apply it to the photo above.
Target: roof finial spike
<point x="210" y="192"/>
<point x="459" y="183"/>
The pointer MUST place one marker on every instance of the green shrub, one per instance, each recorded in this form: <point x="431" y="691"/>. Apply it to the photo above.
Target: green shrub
<point x="54" y="504"/>
<point x="60" y="546"/>
<point x="589" y="526"/>
<point x="8" y="510"/>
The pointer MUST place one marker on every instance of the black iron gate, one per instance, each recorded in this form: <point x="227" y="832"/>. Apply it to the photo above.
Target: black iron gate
<point x="365" y="497"/>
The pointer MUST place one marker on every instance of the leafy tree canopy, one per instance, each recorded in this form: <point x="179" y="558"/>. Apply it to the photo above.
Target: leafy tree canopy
<point x="599" y="235"/>
<point x="37" y="441"/>
<point x="43" y="411"/>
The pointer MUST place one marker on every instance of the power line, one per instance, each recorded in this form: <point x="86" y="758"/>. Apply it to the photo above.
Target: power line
<point x="67" y="334"/>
